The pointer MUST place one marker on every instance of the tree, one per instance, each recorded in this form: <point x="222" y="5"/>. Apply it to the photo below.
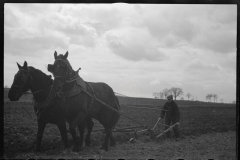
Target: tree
<point x="161" y="95"/>
<point x="188" y="95"/>
<point x="221" y="100"/>
<point x="181" y="98"/>
<point x="6" y="86"/>
<point x="209" y="97"/>
<point x="155" y="95"/>
<point x="215" y="97"/>
<point x="166" y="92"/>
<point x="176" y="92"/>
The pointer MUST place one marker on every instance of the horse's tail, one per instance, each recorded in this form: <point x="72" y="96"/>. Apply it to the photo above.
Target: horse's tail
<point x="115" y="115"/>
<point x="117" y="102"/>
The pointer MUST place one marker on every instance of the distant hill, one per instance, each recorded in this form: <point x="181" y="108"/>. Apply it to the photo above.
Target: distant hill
<point x="128" y="101"/>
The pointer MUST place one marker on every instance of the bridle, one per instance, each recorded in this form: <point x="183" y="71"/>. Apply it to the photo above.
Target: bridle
<point x="66" y="75"/>
<point x="25" y="78"/>
<point x="67" y="72"/>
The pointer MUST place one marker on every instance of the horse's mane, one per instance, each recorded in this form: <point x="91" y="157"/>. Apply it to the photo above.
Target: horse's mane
<point x="40" y="75"/>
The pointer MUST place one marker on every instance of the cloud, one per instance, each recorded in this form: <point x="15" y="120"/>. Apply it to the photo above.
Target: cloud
<point x="219" y="41"/>
<point x="134" y="44"/>
<point x="199" y="65"/>
<point x="223" y="15"/>
<point x="32" y="45"/>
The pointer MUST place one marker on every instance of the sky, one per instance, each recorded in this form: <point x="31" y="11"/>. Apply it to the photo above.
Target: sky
<point x="137" y="49"/>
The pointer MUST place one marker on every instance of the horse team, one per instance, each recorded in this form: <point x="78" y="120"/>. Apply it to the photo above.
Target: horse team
<point x="69" y="98"/>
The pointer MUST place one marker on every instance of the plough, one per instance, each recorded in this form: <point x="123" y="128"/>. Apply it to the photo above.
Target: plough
<point x="130" y="129"/>
<point x="151" y="130"/>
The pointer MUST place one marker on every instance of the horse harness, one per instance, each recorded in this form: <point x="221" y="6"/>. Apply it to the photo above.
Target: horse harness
<point x="79" y="85"/>
<point x="24" y="78"/>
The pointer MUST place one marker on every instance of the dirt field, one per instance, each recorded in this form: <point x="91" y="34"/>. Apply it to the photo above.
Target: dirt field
<point x="208" y="131"/>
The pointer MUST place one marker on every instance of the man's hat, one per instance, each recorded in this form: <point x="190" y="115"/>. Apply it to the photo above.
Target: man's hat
<point x="169" y="97"/>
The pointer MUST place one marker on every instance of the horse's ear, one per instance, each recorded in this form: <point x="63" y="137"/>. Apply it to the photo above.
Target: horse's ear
<point x="66" y="55"/>
<point x="25" y="65"/>
<point x="55" y="55"/>
<point x="19" y="67"/>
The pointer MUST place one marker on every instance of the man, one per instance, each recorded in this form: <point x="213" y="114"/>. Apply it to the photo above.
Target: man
<point x="172" y="115"/>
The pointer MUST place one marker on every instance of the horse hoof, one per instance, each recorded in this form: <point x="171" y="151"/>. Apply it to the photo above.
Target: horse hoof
<point x="87" y="143"/>
<point x="75" y="149"/>
<point x="101" y="151"/>
<point x="103" y="148"/>
<point x="112" y="144"/>
<point x="37" y="150"/>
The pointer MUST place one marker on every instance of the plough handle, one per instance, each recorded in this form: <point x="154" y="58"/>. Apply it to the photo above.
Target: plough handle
<point x="156" y="123"/>
<point x="167" y="130"/>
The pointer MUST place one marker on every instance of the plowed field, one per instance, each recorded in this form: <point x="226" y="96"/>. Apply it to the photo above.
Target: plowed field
<point x="197" y="119"/>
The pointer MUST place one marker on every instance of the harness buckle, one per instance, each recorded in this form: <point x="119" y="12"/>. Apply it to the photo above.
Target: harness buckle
<point x="60" y="94"/>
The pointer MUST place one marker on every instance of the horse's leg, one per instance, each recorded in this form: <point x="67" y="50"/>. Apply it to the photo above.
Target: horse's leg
<point x="112" y="140"/>
<point x="81" y="116"/>
<point x="106" y="141"/>
<point x="63" y="131"/>
<point x="90" y="125"/>
<point x="81" y="127"/>
<point x="41" y="127"/>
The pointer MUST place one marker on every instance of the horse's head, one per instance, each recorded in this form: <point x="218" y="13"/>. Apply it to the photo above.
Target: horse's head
<point x="21" y="83"/>
<point x="61" y="70"/>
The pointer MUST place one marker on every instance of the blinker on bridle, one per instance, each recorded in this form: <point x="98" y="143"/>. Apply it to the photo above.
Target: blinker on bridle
<point x="56" y="76"/>
<point x="67" y="72"/>
<point x="25" y="78"/>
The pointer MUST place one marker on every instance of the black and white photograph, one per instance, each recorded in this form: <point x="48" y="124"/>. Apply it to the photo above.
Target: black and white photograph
<point x="120" y="81"/>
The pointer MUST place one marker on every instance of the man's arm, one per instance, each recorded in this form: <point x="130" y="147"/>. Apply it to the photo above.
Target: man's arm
<point x="177" y="113"/>
<point x="163" y="111"/>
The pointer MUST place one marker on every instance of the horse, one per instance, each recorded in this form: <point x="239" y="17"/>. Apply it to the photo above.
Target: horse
<point x="46" y="106"/>
<point x="83" y="103"/>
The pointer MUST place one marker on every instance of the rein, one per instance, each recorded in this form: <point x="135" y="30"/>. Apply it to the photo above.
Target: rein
<point x="26" y="78"/>
<point x="43" y="87"/>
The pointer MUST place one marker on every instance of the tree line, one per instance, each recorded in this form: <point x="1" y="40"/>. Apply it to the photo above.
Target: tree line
<point x="172" y="91"/>
<point x="211" y="96"/>
<point x="177" y="92"/>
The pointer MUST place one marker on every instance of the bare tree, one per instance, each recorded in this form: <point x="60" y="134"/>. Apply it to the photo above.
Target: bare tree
<point x="209" y="97"/>
<point x="181" y="98"/>
<point x="165" y="92"/>
<point x="176" y="92"/>
<point x="221" y="100"/>
<point x="215" y="97"/>
<point x="161" y="95"/>
<point x="188" y="95"/>
<point x="155" y="95"/>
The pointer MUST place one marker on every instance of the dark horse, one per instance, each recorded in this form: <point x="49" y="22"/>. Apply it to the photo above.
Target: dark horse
<point x="46" y="107"/>
<point x="84" y="104"/>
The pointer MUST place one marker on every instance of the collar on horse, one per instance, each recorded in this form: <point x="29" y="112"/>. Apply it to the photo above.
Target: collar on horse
<point x="77" y="79"/>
